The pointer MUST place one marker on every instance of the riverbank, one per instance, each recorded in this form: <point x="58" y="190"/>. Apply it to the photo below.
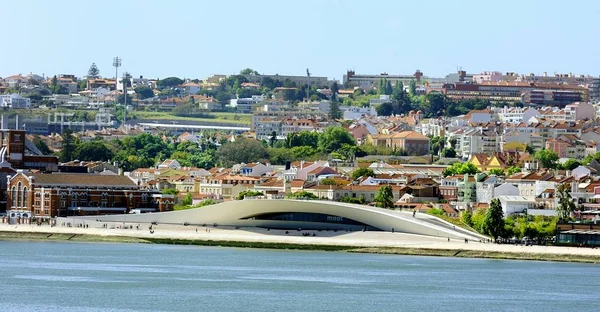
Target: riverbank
<point x="358" y="242"/>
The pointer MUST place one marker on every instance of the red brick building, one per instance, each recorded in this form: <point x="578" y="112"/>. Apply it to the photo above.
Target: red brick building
<point x="46" y="195"/>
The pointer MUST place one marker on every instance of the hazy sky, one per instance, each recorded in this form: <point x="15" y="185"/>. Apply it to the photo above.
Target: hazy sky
<point x="195" y="39"/>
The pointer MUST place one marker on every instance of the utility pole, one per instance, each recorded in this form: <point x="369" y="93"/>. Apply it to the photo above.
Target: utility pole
<point x="125" y="79"/>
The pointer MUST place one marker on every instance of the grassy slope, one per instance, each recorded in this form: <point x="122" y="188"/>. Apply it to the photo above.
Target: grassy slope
<point x="232" y="118"/>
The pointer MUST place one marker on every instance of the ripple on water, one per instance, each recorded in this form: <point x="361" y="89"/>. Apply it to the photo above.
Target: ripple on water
<point x="63" y="278"/>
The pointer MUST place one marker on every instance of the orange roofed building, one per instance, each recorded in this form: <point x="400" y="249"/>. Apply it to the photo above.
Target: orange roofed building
<point x="414" y="143"/>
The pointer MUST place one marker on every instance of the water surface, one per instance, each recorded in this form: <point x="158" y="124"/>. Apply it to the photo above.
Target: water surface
<point x="60" y="276"/>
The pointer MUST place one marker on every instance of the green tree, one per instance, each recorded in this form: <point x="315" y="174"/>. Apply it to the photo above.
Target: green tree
<point x="453" y="143"/>
<point x="547" y="158"/>
<point x="334" y="110"/>
<point x="249" y="193"/>
<point x="362" y="172"/>
<point x="460" y="168"/>
<point x="529" y="149"/>
<point x="566" y="204"/>
<point x="328" y="181"/>
<point x="249" y="71"/>
<point x="121" y="99"/>
<point x="270" y="83"/>
<point x="169" y="82"/>
<point x="302" y="138"/>
<point x="388" y="88"/>
<point x="187" y="200"/>
<point x="352" y="200"/>
<point x="435" y="148"/>
<point x="242" y="150"/>
<point x="512" y="170"/>
<point x="333" y="138"/>
<point x="435" y="104"/>
<point x="493" y="224"/>
<point x="412" y="87"/>
<point x="273" y="138"/>
<point x="335" y="88"/>
<point x="448" y="152"/>
<point x="303" y="152"/>
<point x="279" y="156"/>
<point x="41" y="145"/>
<point x="302" y="195"/>
<point x="496" y="171"/>
<point x="384" y="197"/>
<point x="68" y="146"/>
<point x="82" y="84"/>
<point x="385" y="109"/>
<point x="93" y="72"/>
<point x="467" y="218"/>
<point x="144" y="92"/>
<point x="223" y="98"/>
<point x="571" y="164"/>
<point x="170" y="191"/>
<point x="591" y="157"/>
<point x="94" y="150"/>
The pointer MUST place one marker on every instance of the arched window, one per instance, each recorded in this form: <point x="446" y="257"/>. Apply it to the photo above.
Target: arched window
<point x="25" y="197"/>
<point x="14" y="196"/>
<point x="19" y="195"/>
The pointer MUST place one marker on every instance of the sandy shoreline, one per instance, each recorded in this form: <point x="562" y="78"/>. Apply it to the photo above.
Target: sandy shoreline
<point x="375" y="242"/>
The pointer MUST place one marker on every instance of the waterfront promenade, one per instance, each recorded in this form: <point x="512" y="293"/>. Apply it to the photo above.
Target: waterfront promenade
<point x="324" y="238"/>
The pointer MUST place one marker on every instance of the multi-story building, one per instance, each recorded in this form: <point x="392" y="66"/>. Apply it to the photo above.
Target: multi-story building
<point x="14" y="101"/>
<point x="227" y="186"/>
<point x="449" y="188"/>
<point x="293" y="125"/>
<point x="46" y="195"/>
<point x="517" y="92"/>
<point x="567" y="146"/>
<point x="512" y="115"/>
<point x="467" y="192"/>
<point x="412" y="142"/>
<point x="265" y="128"/>
<point x="368" y="81"/>
<point x="298" y="80"/>
<point x="493" y="76"/>
<point x="579" y="111"/>
<point x="478" y="140"/>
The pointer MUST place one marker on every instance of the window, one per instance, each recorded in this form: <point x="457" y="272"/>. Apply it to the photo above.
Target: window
<point x="25" y="197"/>
<point x="19" y="195"/>
<point x="104" y="202"/>
<point x="14" y="196"/>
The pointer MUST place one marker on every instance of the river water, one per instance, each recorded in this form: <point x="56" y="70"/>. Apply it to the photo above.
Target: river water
<point x="36" y="276"/>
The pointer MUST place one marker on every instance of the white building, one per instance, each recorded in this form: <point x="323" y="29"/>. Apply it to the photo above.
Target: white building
<point x="476" y="141"/>
<point x="136" y="82"/>
<point x="384" y="98"/>
<point x="190" y="88"/>
<point x="14" y="101"/>
<point x="431" y="127"/>
<point x="353" y="112"/>
<point x="300" y="171"/>
<point x="243" y="105"/>
<point x="516" y="204"/>
<point x="513" y="115"/>
<point x="580" y="111"/>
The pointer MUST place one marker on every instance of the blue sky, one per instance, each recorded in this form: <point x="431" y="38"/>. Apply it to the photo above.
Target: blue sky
<point x="195" y="39"/>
